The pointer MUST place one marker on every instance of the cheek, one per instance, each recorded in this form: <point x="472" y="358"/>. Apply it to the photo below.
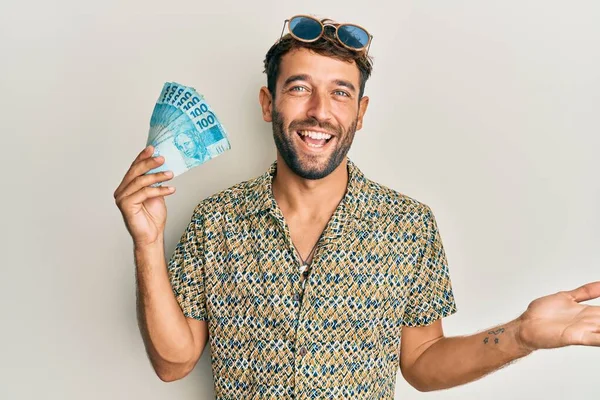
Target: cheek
<point x="346" y="119"/>
<point x="285" y="115"/>
<point x="291" y="109"/>
<point x="345" y="110"/>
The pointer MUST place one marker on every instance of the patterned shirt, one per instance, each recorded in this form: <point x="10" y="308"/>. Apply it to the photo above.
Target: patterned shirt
<point x="380" y="265"/>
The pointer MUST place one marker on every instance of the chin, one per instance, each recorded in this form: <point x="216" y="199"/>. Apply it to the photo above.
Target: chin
<point x="309" y="166"/>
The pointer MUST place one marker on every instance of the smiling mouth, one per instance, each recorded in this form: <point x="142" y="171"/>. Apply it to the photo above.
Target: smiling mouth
<point x="314" y="139"/>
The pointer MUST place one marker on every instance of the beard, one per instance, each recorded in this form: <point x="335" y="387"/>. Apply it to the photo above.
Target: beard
<point x="304" y="165"/>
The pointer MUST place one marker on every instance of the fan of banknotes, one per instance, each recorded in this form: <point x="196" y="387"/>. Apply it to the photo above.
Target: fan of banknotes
<point x="184" y="130"/>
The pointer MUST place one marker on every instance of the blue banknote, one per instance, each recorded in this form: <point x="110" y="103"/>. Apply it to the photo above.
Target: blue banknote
<point x="184" y="130"/>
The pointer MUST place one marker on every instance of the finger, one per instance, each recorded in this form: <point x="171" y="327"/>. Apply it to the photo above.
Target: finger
<point x="586" y="292"/>
<point x="149" y="192"/>
<point x="138" y="169"/>
<point x="147" y="152"/>
<point x="143" y="181"/>
<point x="591" y="338"/>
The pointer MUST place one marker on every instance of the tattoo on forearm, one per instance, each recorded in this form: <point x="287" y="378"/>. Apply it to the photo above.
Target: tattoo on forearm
<point x="496" y="333"/>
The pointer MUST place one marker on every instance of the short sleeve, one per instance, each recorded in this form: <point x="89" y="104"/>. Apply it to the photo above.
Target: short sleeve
<point x="186" y="270"/>
<point x="430" y="294"/>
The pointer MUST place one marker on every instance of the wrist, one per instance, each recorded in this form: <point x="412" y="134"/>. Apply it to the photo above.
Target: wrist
<point x="520" y="339"/>
<point x="149" y="249"/>
<point x="149" y="246"/>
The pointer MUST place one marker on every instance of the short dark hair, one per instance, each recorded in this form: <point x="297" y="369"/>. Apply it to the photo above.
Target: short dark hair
<point x="326" y="45"/>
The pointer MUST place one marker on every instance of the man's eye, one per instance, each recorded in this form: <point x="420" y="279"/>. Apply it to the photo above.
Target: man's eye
<point x="342" y="93"/>
<point x="298" y="88"/>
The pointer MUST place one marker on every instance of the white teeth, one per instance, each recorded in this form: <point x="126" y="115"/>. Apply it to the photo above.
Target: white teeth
<point x="315" y="135"/>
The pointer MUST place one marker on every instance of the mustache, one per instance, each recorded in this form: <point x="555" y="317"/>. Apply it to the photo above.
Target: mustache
<point x="312" y="123"/>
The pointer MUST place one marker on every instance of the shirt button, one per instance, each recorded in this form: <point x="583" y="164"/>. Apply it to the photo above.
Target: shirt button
<point x="297" y="297"/>
<point x="302" y="351"/>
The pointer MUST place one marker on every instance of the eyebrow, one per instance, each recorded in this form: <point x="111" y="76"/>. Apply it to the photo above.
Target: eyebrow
<point x="294" y="78"/>
<point x="341" y="82"/>
<point x="305" y="77"/>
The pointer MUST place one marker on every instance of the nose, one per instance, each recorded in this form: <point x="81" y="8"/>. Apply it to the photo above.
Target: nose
<point x="319" y="107"/>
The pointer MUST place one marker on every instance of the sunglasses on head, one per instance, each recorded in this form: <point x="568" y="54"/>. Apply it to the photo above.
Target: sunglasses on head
<point x="309" y="29"/>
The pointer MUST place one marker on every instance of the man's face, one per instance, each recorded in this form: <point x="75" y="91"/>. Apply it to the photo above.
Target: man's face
<point x="315" y="112"/>
<point x="186" y="144"/>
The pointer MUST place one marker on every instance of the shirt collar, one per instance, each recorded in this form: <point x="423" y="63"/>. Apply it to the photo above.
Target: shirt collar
<point x="260" y="197"/>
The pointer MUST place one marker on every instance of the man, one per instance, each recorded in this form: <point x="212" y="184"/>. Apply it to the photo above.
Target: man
<point x="306" y="278"/>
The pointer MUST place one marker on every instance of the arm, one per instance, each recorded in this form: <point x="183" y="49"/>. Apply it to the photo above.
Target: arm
<point x="173" y="342"/>
<point x="430" y="361"/>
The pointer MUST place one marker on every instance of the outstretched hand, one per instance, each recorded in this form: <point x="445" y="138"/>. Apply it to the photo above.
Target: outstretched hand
<point x="559" y="320"/>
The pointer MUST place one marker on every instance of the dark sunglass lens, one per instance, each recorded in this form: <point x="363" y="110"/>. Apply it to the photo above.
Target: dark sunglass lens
<point x="353" y="36"/>
<point x="305" y="28"/>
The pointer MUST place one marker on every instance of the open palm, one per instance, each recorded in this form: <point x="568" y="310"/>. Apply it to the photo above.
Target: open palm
<point x="560" y="320"/>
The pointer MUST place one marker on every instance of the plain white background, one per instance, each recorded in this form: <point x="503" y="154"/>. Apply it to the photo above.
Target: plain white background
<point x="485" y="111"/>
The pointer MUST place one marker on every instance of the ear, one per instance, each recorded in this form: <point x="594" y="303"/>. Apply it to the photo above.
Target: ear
<point x="266" y="103"/>
<point x="362" y="109"/>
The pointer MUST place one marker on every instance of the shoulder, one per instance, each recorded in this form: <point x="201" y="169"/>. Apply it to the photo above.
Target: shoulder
<point x="386" y="200"/>
<point x="393" y="209"/>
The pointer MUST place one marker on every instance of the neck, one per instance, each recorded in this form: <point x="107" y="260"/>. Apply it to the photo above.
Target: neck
<point x="309" y="198"/>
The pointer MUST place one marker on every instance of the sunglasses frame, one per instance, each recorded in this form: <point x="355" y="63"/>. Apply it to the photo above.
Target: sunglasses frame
<point x="336" y="26"/>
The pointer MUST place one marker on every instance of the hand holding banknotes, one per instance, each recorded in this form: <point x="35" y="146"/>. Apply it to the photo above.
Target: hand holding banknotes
<point x="184" y="133"/>
<point x="142" y="205"/>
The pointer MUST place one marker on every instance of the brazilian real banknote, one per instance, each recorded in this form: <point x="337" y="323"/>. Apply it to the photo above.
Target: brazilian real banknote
<point x="184" y="130"/>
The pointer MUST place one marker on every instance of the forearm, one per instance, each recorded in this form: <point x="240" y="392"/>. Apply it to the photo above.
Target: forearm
<point x="458" y="360"/>
<point x="165" y="331"/>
